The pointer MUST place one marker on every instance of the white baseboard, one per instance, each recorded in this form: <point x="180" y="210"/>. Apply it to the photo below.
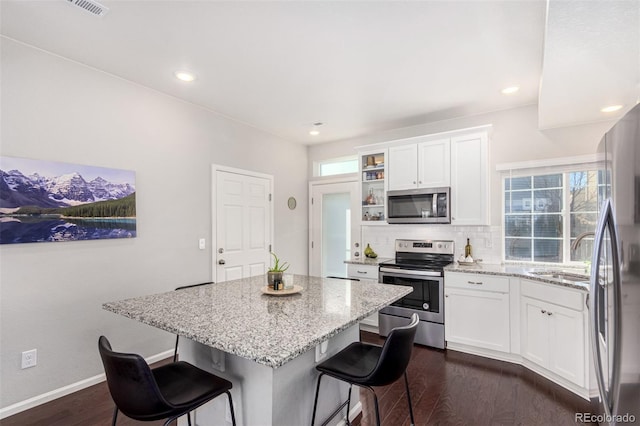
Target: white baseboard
<point x="21" y="406"/>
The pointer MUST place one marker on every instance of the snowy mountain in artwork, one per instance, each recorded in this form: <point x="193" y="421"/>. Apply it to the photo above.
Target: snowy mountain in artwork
<point x="70" y="189"/>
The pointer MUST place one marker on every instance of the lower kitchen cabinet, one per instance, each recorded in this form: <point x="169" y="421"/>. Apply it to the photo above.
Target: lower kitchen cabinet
<point x="476" y="311"/>
<point x="553" y="336"/>
<point x="366" y="272"/>
<point x="539" y="325"/>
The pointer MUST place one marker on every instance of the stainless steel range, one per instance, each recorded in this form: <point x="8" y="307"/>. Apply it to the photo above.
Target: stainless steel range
<point x="419" y="264"/>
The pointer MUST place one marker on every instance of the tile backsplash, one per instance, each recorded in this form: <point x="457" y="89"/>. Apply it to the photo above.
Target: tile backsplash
<point x="486" y="241"/>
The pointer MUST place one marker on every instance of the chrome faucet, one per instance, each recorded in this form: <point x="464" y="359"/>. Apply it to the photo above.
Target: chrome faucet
<point x="579" y="238"/>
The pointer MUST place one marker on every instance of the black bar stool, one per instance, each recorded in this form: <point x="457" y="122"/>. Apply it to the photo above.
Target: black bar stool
<point x="166" y="392"/>
<point x="367" y="365"/>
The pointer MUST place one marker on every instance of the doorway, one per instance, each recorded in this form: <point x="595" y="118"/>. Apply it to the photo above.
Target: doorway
<point x="242" y="223"/>
<point x="334" y="230"/>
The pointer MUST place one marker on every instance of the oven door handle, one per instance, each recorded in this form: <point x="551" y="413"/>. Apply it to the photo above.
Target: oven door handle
<point x="410" y="273"/>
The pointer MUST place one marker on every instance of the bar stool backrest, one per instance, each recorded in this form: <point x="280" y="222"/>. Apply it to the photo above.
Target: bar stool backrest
<point x="396" y="354"/>
<point x="132" y="384"/>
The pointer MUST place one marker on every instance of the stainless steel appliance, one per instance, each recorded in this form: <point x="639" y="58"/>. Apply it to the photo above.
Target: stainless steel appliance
<point x="614" y="298"/>
<point x="422" y="205"/>
<point x="419" y="264"/>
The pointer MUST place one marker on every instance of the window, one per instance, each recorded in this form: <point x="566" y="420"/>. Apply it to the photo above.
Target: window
<point x="338" y="166"/>
<point x="545" y="213"/>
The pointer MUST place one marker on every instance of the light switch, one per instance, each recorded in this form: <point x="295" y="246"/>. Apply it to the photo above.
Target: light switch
<point x="202" y="244"/>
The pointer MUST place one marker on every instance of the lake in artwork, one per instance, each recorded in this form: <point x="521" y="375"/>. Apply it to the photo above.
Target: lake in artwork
<point x="52" y="201"/>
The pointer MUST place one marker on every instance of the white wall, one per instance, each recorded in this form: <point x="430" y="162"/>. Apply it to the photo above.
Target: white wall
<point x="51" y="293"/>
<point x="515" y="137"/>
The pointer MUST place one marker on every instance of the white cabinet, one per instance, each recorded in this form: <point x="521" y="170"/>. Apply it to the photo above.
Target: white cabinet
<point x="420" y="165"/>
<point x="434" y="164"/>
<point x="469" y="180"/>
<point x="476" y="309"/>
<point x="553" y="330"/>
<point x="367" y="272"/>
<point x="403" y="167"/>
<point x="459" y="162"/>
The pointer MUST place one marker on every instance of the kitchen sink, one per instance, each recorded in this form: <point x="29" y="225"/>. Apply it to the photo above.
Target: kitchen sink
<point x="561" y="275"/>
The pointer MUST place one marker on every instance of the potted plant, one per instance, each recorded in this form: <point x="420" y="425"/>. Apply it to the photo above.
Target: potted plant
<point x="275" y="272"/>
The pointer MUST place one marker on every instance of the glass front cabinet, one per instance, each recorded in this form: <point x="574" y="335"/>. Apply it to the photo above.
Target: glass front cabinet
<point x="373" y="187"/>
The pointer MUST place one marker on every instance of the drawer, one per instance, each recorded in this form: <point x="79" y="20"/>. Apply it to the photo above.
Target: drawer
<point x="369" y="272"/>
<point x="556" y="294"/>
<point x="481" y="282"/>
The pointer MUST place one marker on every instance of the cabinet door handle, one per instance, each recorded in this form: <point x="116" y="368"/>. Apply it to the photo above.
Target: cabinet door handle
<point x="475" y="282"/>
<point x="542" y="311"/>
<point x="362" y="272"/>
<point x="446" y="295"/>
<point x="549" y="313"/>
<point x="414" y="182"/>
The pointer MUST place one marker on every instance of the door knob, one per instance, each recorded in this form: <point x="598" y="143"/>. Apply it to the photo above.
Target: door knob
<point x="221" y="262"/>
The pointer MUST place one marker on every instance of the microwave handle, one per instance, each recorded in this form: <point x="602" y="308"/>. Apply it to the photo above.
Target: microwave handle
<point x="434" y="205"/>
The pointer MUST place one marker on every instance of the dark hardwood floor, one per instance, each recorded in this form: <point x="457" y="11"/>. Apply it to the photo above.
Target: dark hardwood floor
<point x="447" y="388"/>
<point x="453" y="388"/>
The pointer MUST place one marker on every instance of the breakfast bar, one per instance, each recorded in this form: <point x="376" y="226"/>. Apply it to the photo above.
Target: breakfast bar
<point x="266" y="345"/>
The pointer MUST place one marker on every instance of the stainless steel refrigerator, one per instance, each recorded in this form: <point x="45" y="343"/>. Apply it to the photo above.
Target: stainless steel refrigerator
<point x="614" y="298"/>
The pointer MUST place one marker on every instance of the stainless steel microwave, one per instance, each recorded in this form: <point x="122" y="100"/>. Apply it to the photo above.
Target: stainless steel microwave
<point x="421" y="205"/>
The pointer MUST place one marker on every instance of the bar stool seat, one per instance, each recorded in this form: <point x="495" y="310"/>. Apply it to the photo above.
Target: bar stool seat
<point x="367" y="365"/>
<point x="166" y="392"/>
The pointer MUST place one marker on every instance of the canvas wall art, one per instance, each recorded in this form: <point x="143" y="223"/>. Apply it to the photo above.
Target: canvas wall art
<point x="52" y="201"/>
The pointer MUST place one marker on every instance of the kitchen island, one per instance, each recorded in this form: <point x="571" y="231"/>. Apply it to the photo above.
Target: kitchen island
<point x="267" y="346"/>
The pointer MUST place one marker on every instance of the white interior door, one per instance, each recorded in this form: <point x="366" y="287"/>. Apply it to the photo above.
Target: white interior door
<point x="242" y="223"/>
<point x="334" y="227"/>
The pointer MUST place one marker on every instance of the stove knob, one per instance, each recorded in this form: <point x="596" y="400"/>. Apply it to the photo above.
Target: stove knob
<point x="439" y="245"/>
<point x="425" y="306"/>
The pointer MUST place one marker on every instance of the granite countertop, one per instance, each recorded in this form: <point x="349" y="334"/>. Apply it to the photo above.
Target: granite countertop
<point x="547" y="274"/>
<point x="235" y="317"/>
<point x="368" y="261"/>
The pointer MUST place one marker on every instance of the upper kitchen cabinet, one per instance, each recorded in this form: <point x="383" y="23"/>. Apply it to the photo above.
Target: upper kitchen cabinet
<point x="403" y="167"/>
<point x="421" y="165"/>
<point x="373" y="187"/>
<point x="469" y="179"/>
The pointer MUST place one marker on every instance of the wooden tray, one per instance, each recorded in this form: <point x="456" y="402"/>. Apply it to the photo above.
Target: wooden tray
<point x="287" y="292"/>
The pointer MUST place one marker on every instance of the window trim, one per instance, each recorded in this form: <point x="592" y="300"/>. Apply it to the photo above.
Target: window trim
<point x="565" y="165"/>
<point x="317" y="165"/>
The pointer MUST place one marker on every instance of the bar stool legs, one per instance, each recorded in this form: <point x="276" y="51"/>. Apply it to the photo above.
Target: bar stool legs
<point x="406" y="384"/>
<point x="315" y="401"/>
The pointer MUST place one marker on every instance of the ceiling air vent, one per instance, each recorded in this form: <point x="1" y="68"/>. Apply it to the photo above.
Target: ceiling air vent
<point x="93" y="7"/>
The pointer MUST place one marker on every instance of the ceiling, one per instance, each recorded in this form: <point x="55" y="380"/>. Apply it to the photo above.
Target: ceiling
<point x="359" y="67"/>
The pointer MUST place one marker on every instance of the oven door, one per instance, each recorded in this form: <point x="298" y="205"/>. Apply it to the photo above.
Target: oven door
<point x="426" y="299"/>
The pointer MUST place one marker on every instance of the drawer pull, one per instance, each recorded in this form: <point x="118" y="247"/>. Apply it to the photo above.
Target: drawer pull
<point x="475" y="282"/>
<point x="362" y="272"/>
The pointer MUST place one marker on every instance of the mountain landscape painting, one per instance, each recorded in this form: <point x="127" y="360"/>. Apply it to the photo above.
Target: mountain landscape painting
<point x="52" y="201"/>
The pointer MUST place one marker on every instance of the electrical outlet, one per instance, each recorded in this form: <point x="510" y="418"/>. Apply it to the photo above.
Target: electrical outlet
<point x="488" y="243"/>
<point x="29" y="358"/>
<point x="202" y="244"/>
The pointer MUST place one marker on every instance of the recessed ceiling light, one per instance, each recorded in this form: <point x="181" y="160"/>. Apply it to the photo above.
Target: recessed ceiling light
<point x="185" y="76"/>
<point x="611" y="108"/>
<point x="315" y="131"/>
<point x="510" y="90"/>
